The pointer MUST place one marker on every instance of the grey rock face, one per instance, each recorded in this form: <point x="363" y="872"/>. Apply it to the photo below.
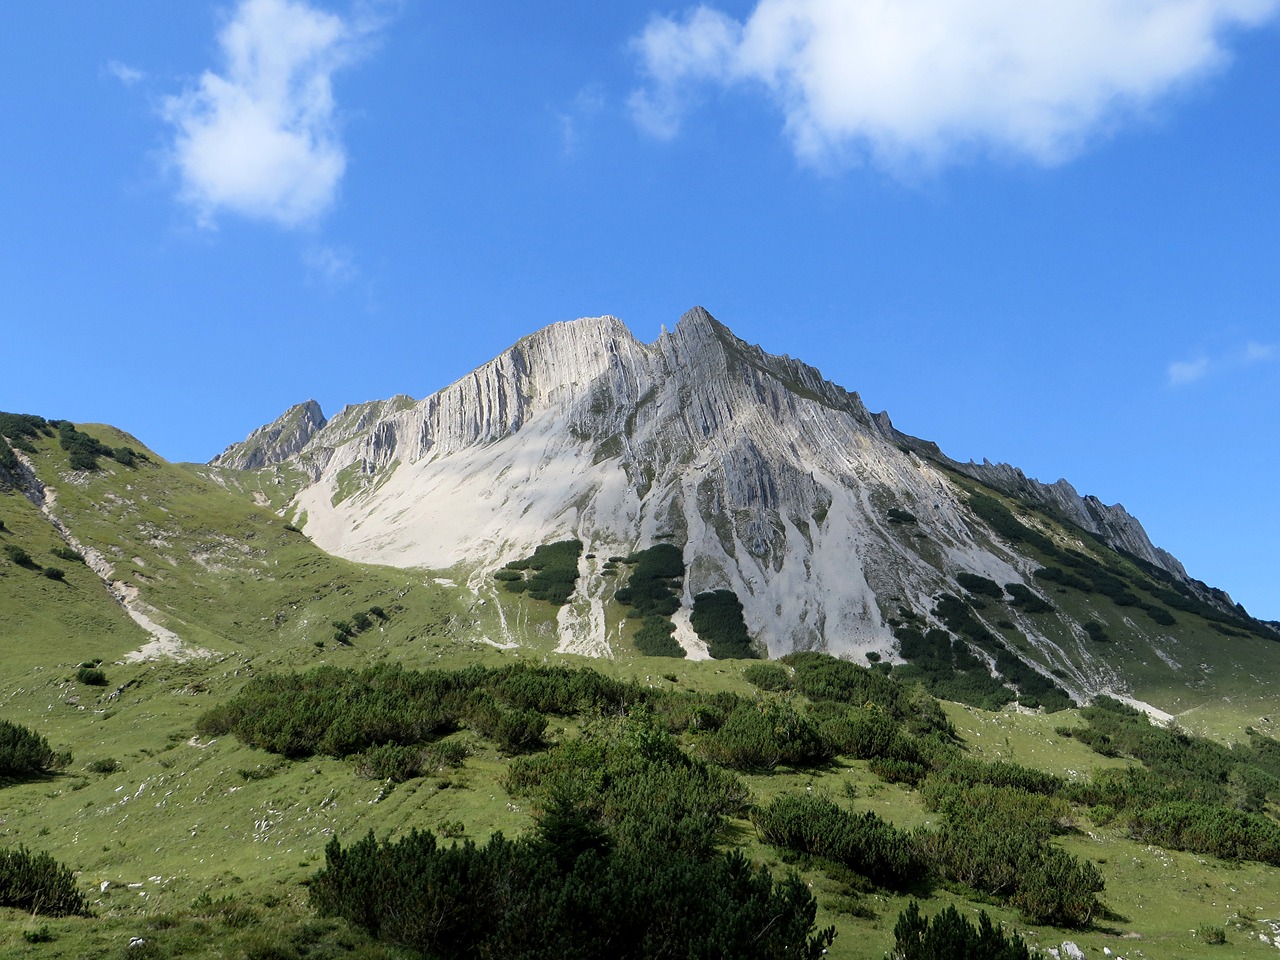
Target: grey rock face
<point x="779" y="484"/>
<point x="275" y="442"/>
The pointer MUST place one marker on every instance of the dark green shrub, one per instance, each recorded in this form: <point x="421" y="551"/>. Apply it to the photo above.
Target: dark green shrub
<point x="1096" y="631"/>
<point x="897" y="515"/>
<point x="554" y="574"/>
<point x="103" y="765"/>
<point x="656" y="638"/>
<point x="982" y="586"/>
<point x="950" y="936"/>
<point x="632" y="778"/>
<point x="1207" y="828"/>
<point x="1024" y="599"/>
<point x="66" y="553"/>
<point x="19" y="429"/>
<point x="399" y="763"/>
<point x="758" y="737"/>
<point x="994" y="839"/>
<point x="19" y="556"/>
<point x="25" y="753"/>
<point x="863" y="842"/>
<point x="54" y="573"/>
<point x="83" y="449"/>
<point x="41" y="934"/>
<point x="534" y="899"/>
<point x="767" y="676"/>
<point x="717" y="618"/>
<point x="655" y="576"/>
<point x="91" y="676"/>
<point x="37" y="883"/>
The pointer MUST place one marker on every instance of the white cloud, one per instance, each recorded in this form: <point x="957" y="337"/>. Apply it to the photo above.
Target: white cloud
<point x="1183" y="372"/>
<point x="586" y="106"/>
<point x="333" y="267"/>
<point x="126" y="74"/>
<point x="915" y="81"/>
<point x="260" y="138"/>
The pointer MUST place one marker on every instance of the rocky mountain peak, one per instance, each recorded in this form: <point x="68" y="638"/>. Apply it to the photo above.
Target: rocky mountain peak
<point x="276" y="441"/>
<point x="778" y="484"/>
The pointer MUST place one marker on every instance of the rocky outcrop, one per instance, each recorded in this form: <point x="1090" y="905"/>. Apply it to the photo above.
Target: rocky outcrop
<point x="275" y="442"/>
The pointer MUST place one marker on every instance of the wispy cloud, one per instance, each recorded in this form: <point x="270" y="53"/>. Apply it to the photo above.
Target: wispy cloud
<point x="260" y="138"/>
<point x="586" y="105"/>
<point x="1181" y="373"/>
<point x="129" y="76"/>
<point x="922" y="82"/>
<point x="331" y="266"/>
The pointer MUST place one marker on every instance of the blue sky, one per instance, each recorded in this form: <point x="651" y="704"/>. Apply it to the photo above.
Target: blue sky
<point x="1036" y="232"/>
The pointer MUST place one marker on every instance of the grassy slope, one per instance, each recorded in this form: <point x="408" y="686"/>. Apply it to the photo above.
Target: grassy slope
<point x="202" y="845"/>
<point x="1186" y="669"/>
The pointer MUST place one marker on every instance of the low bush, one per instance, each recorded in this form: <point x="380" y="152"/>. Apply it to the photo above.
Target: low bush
<point x="91" y="676"/>
<point x="759" y="737"/>
<point x="768" y="676"/>
<point x="982" y="586"/>
<point x="717" y="618"/>
<point x="552" y="572"/>
<point x="37" y="883"/>
<point x="656" y="638"/>
<point x="950" y="936"/>
<point x="863" y="842"/>
<point x="1024" y="599"/>
<point x="566" y="893"/>
<point x="19" y="556"/>
<point x="25" y="753"/>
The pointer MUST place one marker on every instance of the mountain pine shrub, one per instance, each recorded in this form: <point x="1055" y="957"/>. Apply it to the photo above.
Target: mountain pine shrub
<point x="717" y="618"/>
<point x="37" y="883"/>
<point x="25" y="753"/>
<point x="950" y="936"/>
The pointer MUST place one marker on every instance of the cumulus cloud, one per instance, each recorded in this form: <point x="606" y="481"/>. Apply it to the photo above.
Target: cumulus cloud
<point x="1180" y="373"/>
<point x="259" y="138"/>
<point x="916" y="81"/>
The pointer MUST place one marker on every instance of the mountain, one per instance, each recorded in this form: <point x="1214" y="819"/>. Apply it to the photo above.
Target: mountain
<point x="158" y="622"/>
<point x="833" y="529"/>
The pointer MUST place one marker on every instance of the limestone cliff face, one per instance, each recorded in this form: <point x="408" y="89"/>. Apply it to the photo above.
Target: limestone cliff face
<point x="275" y="442"/>
<point x="778" y="484"/>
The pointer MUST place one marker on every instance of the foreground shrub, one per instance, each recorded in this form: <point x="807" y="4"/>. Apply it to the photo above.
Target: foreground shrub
<point x="758" y="737"/>
<point x="863" y="842"/>
<point x="1208" y="828"/>
<point x="25" y="753"/>
<point x="633" y="779"/>
<point x="534" y="899"/>
<point x="37" y="883"/>
<point x="768" y="676"/>
<point x="950" y="936"/>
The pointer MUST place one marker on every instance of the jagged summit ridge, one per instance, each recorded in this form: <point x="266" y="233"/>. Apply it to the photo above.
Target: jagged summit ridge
<point x="778" y="483"/>
<point x="276" y="441"/>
